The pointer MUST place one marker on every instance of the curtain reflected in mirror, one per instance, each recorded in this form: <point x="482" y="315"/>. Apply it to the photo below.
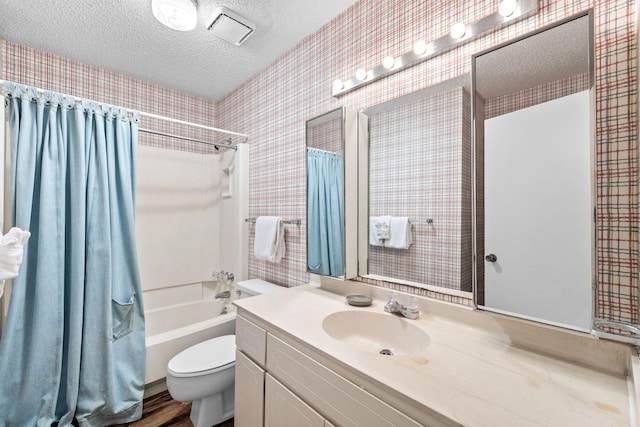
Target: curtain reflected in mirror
<point x="325" y="207"/>
<point x="325" y="194"/>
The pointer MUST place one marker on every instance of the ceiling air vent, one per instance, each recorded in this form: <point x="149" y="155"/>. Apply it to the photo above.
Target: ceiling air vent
<point x="230" y="26"/>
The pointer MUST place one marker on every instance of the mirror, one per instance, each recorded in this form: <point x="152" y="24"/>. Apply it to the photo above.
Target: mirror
<point x="415" y="189"/>
<point x="534" y="197"/>
<point x="325" y="139"/>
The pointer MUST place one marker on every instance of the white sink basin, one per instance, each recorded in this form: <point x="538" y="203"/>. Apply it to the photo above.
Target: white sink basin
<point x="376" y="332"/>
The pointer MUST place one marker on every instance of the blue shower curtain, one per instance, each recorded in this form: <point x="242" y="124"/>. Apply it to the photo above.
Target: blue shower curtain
<point x="73" y="345"/>
<point x="325" y="207"/>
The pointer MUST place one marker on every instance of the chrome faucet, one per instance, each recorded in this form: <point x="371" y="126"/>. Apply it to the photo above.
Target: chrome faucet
<point x="409" y="311"/>
<point x="223" y="276"/>
<point x="225" y="294"/>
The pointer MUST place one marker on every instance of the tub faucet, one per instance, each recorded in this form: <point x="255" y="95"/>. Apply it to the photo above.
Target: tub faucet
<point x="409" y="311"/>
<point x="225" y="294"/>
<point x="223" y="276"/>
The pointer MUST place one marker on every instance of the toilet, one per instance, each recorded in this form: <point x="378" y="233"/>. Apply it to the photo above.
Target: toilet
<point x="205" y="373"/>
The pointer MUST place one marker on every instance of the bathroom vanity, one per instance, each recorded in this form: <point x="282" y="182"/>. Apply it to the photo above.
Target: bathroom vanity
<point x="307" y="358"/>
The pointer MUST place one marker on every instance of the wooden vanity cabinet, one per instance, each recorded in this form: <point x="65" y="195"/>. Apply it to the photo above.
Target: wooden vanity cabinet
<point x="279" y="386"/>
<point x="285" y="409"/>
<point x="249" y="392"/>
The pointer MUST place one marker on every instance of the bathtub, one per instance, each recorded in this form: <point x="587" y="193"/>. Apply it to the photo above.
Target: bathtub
<point x="171" y="329"/>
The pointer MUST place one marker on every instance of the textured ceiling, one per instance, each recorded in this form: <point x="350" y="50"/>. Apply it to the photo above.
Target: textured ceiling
<point x="123" y="36"/>
<point x="555" y="54"/>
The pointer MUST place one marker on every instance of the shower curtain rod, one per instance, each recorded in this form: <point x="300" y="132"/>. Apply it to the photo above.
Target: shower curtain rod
<point x="226" y="144"/>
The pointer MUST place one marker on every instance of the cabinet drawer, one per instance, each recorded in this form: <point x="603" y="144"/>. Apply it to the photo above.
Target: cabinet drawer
<point x="249" y="392"/>
<point x="285" y="409"/>
<point x="252" y="340"/>
<point x="338" y="399"/>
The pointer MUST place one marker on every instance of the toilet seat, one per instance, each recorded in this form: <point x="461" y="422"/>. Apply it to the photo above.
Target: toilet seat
<point x="204" y="358"/>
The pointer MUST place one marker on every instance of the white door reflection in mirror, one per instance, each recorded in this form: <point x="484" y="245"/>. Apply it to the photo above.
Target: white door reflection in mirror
<point x="534" y="194"/>
<point x="538" y="212"/>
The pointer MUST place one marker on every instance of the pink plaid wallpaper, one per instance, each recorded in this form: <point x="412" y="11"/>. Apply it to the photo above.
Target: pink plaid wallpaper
<point x="416" y="170"/>
<point x="273" y="106"/>
<point x="326" y="135"/>
<point x="21" y="64"/>
<point x="535" y="95"/>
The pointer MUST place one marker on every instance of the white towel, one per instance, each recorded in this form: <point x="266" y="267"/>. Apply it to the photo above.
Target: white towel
<point x="11" y="252"/>
<point x="269" y="238"/>
<point x="400" y="230"/>
<point x="374" y="240"/>
<point x="383" y="227"/>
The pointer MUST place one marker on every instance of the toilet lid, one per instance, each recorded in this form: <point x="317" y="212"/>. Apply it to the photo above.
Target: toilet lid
<point x="205" y="356"/>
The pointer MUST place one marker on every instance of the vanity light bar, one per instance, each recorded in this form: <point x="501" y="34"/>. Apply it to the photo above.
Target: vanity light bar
<point x="460" y="33"/>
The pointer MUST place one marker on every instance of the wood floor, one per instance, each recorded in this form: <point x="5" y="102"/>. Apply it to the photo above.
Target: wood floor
<point x="162" y="411"/>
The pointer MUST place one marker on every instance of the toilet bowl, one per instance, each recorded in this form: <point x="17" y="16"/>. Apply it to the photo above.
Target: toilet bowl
<point x="205" y="373"/>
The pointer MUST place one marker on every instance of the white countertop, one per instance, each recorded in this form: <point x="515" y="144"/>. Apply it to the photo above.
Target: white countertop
<point x="467" y="375"/>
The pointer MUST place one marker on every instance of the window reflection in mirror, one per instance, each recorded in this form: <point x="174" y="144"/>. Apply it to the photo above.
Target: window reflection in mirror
<point x="534" y="192"/>
<point x="419" y="190"/>
<point x="325" y="194"/>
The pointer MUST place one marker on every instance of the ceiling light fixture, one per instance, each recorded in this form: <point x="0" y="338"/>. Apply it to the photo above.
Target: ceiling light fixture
<point x="181" y="15"/>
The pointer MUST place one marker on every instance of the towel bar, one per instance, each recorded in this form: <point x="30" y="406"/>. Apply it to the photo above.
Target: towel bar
<point x="296" y="221"/>
<point x="421" y="221"/>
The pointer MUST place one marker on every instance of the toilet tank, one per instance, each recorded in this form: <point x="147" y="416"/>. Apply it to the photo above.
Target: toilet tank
<point x="253" y="287"/>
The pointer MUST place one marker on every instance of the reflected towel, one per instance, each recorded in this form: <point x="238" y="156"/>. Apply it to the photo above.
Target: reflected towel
<point x="374" y="240"/>
<point x="383" y="227"/>
<point x="400" y="229"/>
<point x="11" y="253"/>
<point x="269" y="239"/>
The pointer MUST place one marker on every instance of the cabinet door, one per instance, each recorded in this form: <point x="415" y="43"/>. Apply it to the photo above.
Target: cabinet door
<point x="252" y="340"/>
<point x="337" y="398"/>
<point x="249" y="393"/>
<point x="285" y="409"/>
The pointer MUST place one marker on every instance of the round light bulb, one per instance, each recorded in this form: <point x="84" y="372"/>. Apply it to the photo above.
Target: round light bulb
<point x="507" y="7"/>
<point x="181" y="15"/>
<point x="338" y="85"/>
<point x="429" y="49"/>
<point x="458" y="30"/>
<point x="361" y="74"/>
<point x="388" y="62"/>
<point x="420" y="48"/>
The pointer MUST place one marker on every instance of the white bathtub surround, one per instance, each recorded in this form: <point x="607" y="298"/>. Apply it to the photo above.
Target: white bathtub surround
<point x="180" y="193"/>
<point x="479" y="369"/>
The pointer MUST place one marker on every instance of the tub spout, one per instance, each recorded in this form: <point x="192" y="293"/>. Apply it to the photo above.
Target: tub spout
<point x="225" y="294"/>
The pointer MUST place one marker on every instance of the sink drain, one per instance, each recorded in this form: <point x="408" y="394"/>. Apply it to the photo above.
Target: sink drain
<point x="386" y="352"/>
